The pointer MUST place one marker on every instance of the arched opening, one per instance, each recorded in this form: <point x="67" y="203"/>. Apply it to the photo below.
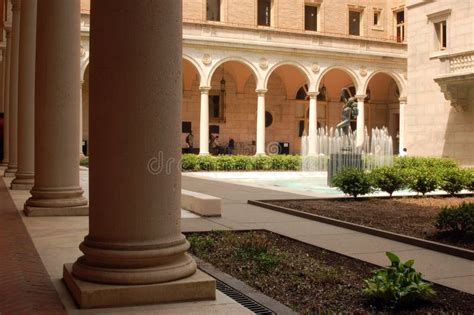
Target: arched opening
<point x="330" y="103"/>
<point x="287" y="101"/>
<point x="383" y="105"/>
<point x="190" y="107"/>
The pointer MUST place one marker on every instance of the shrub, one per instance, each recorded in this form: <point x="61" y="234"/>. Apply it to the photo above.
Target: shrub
<point x="353" y="181"/>
<point x="189" y="162"/>
<point x="84" y="162"/>
<point x="262" y="163"/>
<point x="398" y="283"/>
<point x="469" y="179"/>
<point x="413" y="162"/>
<point x="388" y="179"/>
<point x="422" y="180"/>
<point x="452" y="180"/>
<point x="242" y="162"/>
<point x="225" y="163"/>
<point x="206" y="163"/>
<point x="458" y="219"/>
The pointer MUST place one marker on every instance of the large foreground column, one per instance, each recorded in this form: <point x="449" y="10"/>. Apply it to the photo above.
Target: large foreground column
<point x="261" y="122"/>
<point x="26" y="96"/>
<point x="401" y="130"/>
<point x="313" y="123"/>
<point x="13" y="96"/>
<point x="360" y="121"/>
<point x="81" y="113"/>
<point x="57" y="190"/>
<point x="204" y="121"/>
<point x="135" y="243"/>
<point x="6" y="98"/>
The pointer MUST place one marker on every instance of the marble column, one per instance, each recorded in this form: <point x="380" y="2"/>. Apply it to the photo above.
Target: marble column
<point x="313" y="122"/>
<point x="6" y="95"/>
<point x="13" y="95"/>
<point x="401" y="130"/>
<point x="260" y="150"/>
<point x="26" y="96"/>
<point x="204" y="121"/>
<point x="360" y="121"/>
<point x="135" y="244"/>
<point x="57" y="190"/>
<point x="81" y="113"/>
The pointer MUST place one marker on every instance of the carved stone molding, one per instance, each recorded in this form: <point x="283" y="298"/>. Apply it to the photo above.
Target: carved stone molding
<point x="316" y="67"/>
<point x="363" y="71"/>
<point x="263" y="63"/>
<point x="206" y="59"/>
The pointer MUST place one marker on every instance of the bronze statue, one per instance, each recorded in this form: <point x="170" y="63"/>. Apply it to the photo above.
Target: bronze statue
<point x="349" y="110"/>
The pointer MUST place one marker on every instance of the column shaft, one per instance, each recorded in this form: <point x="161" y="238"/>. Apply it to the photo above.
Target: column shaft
<point x="57" y="190"/>
<point x="13" y="96"/>
<point x="204" y="122"/>
<point x="360" y="121"/>
<point x="6" y="100"/>
<point x="135" y="181"/>
<point x="26" y="96"/>
<point x="81" y="113"/>
<point x="401" y="130"/>
<point x="313" y="123"/>
<point x="260" y="150"/>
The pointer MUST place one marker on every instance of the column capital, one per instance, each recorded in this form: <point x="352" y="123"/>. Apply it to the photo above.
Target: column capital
<point x="313" y="94"/>
<point x="361" y="97"/>
<point x="261" y="92"/>
<point x="204" y="89"/>
<point x="403" y="100"/>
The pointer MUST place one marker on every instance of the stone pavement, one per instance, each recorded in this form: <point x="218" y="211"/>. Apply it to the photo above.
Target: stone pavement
<point x="441" y="268"/>
<point x="57" y="238"/>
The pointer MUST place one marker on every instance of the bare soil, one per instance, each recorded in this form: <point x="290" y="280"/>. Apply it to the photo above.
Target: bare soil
<point x="306" y="278"/>
<point x="409" y="216"/>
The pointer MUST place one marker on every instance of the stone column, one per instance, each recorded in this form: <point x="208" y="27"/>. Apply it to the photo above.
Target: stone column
<point x="2" y="78"/>
<point x="360" y="121"/>
<point x="6" y="99"/>
<point x="313" y="122"/>
<point x="204" y="121"/>
<point x="135" y="243"/>
<point x="401" y="129"/>
<point x="26" y="96"/>
<point x="261" y="122"/>
<point x="81" y="113"/>
<point x="13" y="96"/>
<point x="57" y="190"/>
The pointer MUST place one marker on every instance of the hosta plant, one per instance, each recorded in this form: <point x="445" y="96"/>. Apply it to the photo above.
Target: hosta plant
<point x="399" y="283"/>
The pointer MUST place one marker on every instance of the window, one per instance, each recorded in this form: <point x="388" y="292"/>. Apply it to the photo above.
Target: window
<point x="310" y="18"/>
<point x="441" y="34"/>
<point x="213" y="10"/>
<point x="216" y="106"/>
<point x="377" y="16"/>
<point x="264" y="12"/>
<point x="400" y="25"/>
<point x="354" y="23"/>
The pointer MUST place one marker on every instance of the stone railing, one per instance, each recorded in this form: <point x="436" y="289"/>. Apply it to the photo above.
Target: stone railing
<point x="462" y="63"/>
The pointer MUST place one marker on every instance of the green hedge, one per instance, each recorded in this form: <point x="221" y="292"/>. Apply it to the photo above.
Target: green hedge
<point x="193" y="163"/>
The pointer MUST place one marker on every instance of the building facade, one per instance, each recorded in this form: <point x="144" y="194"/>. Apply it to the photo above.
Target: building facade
<point x="440" y="94"/>
<point x="254" y="69"/>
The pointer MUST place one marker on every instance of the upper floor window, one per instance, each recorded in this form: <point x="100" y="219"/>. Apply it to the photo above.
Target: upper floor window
<point x="377" y="18"/>
<point x="441" y="34"/>
<point x="264" y="13"/>
<point x="354" y="23"/>
<point x="213" y="10"/>
<point x="310" y="18"/>
<point x="400" y="25"/>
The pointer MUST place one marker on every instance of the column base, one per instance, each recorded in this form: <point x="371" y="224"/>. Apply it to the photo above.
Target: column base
<point x="10" y="172"/>
<point x="199" y="286"/>
<point x="23" y="182"/>
<point x="51" y="211"/>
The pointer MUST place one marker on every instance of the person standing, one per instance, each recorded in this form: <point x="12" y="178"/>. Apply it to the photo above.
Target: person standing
<point x="190" y="141"/>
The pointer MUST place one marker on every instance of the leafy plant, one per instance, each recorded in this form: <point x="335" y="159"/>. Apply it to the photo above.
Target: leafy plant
<point x="469" y="179"/>
<point x="353" y="181"/>
<point x="452" y="180"/>
<point x="396" y="284"/>
<point x="84" y="162"/>
<point x="459" y="220"/>
<point x="422" y="180"/>
<point x="388" y="179"/>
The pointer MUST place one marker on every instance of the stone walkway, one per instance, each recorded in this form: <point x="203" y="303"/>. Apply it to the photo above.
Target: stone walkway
<point x="56" y="239"/>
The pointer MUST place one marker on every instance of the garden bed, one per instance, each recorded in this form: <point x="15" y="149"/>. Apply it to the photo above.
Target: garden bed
<point x="410" y="216"/>
<point x="306" y="278"/>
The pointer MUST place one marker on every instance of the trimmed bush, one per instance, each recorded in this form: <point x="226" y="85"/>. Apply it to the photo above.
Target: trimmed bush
<point x="397" y="284"/>
<point x="459" y="220"/>
<point x="413" y="162"/>
<point x="452" y="180"/>
<point x="388" y="179"/>
<point x="422" y="180"/>
<point x="353" y="181"/>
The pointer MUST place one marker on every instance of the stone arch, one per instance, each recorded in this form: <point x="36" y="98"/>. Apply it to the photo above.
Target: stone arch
<point x="348" y="71"/>
<point x="301" y="68"/>
<point x="198" y="68"/>
<point x="395" y="76"/>
<point x="251" y="66"/>
<point x="84" y="65"/>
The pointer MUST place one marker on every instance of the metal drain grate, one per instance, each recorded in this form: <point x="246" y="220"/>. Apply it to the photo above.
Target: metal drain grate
<point x="242" y="299"/>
